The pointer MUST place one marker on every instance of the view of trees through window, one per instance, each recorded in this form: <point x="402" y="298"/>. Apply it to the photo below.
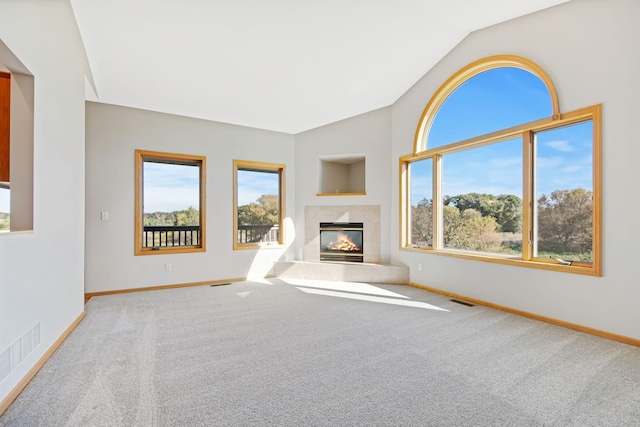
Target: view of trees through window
<point x="482" y="185"/>
<point x="482" y="200"/>
<point x="169" y="201"/>
<point x="171" y="194"/>
<point x="258" y="203"/>
<point x="564" y="193"/>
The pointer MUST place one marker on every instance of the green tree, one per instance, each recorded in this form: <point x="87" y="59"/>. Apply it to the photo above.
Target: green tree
<point x="508" y="213"/>
<point x="506" y="209"/>
<point x="422" y="223"/>
<point x="189" y="217"/>
<point x="565" y="222"/>
<point x="480" y="232"/>
<point x="470" y="230"/>
<point x="264" y="211"/>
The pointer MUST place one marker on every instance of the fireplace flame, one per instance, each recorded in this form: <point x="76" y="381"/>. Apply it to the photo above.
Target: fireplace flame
<point x="343" y="243"/>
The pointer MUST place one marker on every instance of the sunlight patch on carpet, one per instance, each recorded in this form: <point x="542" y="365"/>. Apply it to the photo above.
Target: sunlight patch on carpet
<point x="360" y="288"/>
<point x="371" y="298"/>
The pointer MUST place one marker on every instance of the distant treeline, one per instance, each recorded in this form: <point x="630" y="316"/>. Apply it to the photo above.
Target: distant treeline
<point x="5" y="221"/>
<point x="479" y="222"/>
<point x="189" y="216"/>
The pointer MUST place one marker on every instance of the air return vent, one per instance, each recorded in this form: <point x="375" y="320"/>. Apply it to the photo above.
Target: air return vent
<point x="457" y="301"/>
<point x="5" y="363"/>
<point x="14" y="354"/>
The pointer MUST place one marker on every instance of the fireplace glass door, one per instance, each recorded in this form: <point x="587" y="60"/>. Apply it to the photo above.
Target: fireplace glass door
<point x="341" y="241"/>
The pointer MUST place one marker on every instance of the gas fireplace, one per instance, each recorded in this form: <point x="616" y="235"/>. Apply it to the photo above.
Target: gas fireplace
<point x="341" y="241"/>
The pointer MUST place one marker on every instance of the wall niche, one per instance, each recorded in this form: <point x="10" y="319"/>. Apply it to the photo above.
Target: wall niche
<point x="342" y="175"/>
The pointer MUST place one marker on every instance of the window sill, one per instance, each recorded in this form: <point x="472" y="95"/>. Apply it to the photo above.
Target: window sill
<point x="169" y="250"/>
<point x="341" y="194"/>
<point x="15" y="232"/>
<point x="584" y="269"/>
<point x="257" y="246"/>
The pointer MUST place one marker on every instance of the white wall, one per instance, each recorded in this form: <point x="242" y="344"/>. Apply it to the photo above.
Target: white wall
<point x="590" y="50"/>
<point x="41" y="272"/>
<point x="357" y="174"/>
<point x="367" y="134"/>
<point x="113" y="134"/>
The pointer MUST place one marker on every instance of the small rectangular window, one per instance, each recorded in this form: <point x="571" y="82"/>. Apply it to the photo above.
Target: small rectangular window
<point x="563" y="216"/>
<point x="258" y="204"/>
<point x="421" y="196"/>
<point x="5" y="156"/>
<point x="170" y="203"/>
<point x="5" y="220"/>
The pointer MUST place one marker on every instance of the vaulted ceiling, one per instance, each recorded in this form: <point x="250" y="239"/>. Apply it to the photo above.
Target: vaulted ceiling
<point x="283" y="65"/>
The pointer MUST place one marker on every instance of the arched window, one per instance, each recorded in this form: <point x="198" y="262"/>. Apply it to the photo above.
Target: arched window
<point x="499" y="174"/>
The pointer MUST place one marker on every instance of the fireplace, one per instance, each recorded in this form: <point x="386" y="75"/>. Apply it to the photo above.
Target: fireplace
<point x="341" y="241"/>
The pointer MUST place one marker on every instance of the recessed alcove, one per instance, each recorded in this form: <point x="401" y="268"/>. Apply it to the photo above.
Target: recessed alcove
<point x="342" y="175"/>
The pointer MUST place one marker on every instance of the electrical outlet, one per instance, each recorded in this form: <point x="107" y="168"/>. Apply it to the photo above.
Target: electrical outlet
<point x="420" y="267"/>
<point x="167" y="267"/>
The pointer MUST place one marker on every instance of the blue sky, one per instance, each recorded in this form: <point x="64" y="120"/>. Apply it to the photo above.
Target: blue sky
<point x="252" y="185"/>
<point x="4" y="200"/>
<point x="175" y="187"/>
<point x="494" y="100"/>
<point x="170" y="187"/>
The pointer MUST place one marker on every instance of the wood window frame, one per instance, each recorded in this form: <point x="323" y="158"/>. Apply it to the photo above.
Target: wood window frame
<point x="5" y="127"/>
<point x="171" y="158"/>
<point x="259" y="167"/>
<point x="524" y="131"/>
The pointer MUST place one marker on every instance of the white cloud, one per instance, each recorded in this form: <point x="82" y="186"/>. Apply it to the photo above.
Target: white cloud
<point x="252" y="185"/>
<point x="170" y="187"/>
<point x="560" y="145"/>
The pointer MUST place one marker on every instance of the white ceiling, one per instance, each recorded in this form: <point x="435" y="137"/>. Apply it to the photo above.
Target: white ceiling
<point x="283" y="65"/>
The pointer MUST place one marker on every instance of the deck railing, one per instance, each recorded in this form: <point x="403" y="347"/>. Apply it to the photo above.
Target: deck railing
<point x="258" y="234"/>
<point x="157" y="236"/>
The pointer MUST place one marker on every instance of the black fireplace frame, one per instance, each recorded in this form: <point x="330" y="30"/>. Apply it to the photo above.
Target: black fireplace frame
<point x="338" y="255"/>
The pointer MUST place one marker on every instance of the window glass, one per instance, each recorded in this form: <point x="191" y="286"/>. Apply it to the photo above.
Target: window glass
<point x="5" y="209"/>
<point x="421" y="196"/>
<point x="482" y="200"/>
<point x="564" y="193"/>
<point x="490" y="101"/>
<point x="259" y="204"/>
<point x="5" y="150"/>
<point x="169" y="203"/>
<point x="515" y="180"/>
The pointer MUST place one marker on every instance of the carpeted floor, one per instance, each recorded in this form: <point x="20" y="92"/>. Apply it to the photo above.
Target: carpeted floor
<point x="312" y="353"/>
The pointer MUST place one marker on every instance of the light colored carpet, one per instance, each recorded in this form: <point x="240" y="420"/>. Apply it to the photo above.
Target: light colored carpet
<point x="311" y="353"/>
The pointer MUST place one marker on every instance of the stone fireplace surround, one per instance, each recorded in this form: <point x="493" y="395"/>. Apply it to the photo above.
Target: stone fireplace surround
<point x="369" y="271"/>
<point x="369" y="216"/>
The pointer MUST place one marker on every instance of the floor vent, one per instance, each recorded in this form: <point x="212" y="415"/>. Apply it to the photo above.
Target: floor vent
<point x="219" y="284"/>
<point x="457" y="301"/>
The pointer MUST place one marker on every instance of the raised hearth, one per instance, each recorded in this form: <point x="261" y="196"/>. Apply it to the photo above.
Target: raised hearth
<point x="369" y="270"/>
<point x="343" y="272"/>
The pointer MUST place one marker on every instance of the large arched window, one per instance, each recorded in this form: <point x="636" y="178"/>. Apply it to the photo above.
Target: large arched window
<point x="499" y="174"/>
